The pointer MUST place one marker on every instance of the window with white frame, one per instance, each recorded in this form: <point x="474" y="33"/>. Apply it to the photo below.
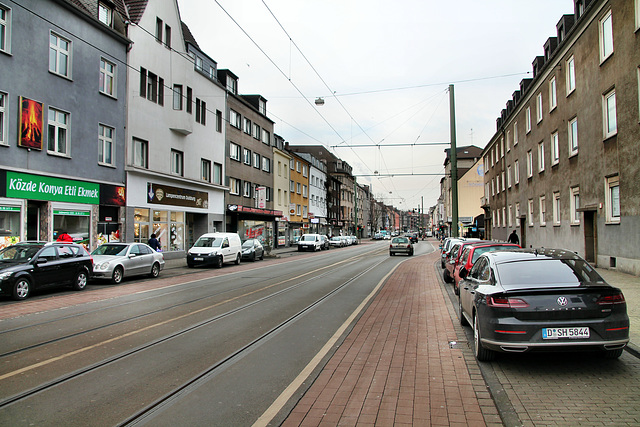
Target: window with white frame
<point x="508" y="141"/>
<point x="266" y="137"/>
<point x="105" y="14"/>
<point x="574" y="205"/>
<point x="539" y="108"/>
<point x="256" y="160"/>
<point x="246" y="156"/>
<point x="246" y="189"/>
<point x="177" y="97"/>
<point x="3" y="118"/>
<point x="304" y="190"/>
<point x="106" y="145"/>
<point x="509" y="216"/>
<point x="205" y="170"/>
<point x="517" y="214"/>
<point x="256" y="131"/>
<point x="609" y="114"/>
<point x="298" y="188"/>
<point x="540" y="157"/>
<point x="217" y="173"/>
<point x="266" y="164"/>
<point x="501" y="147"/>
<point x="509" y="176"/>
<point x="543" y="210"/>
<point x="234" y="151"/>
<point x="503" y="182"/>
<point x="5" y="29"/>
<point x="529" y="164"/>
<point x="297" y="166"/>
<point x="530" y="213"/>
<point x="606" y="36"/>
<point x="247" y="126"/>
<point x="515" y="134"/>
<point x="573" y="136"/>
<point x="59" y="55"/>
<point x="298" y="210"/>
<point x="555" y="149"/>
<point x="493" y="187"/>
<point x="292" y="186"/>
<point x="612" y="199"/>
<point x="304" y="171"/>
<point x="556" y="208"/>
<point x="570" y="66"/>
<point x="107" y="77"/>
<point x="177" y="162"/>
<point x="234" y="186"/>
<point x="504" y="214"/>
<point x="201" y="112"/>
<point x="58" y="133"/>
<point x="528" y="119"/>
<point x="516" y="172"/>
<point x="234" y="119"/>
<point x="140" y="153"/>
<point x="553" y="94"/>
<point x="637" y="14"/>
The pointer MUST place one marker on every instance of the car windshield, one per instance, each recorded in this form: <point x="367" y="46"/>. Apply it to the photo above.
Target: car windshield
<point x="110" y="250"/>
<point x="308" y="238"/>
<point x="400" y="240"/>
<point x="336" y="238"/>
<point x="248" y="244"/>
<point x="479" y="251"/>
<point x="547" y="273"/>
<point x="19" y="253"/>
<point x="208" y="242"/>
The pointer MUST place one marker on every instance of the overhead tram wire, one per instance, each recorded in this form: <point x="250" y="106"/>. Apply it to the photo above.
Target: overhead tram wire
<point x="404" y="144"/>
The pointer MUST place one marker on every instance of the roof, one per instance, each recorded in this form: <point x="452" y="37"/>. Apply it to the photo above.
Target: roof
<point x="532" y="254"/>
<point x="135" y="9"/>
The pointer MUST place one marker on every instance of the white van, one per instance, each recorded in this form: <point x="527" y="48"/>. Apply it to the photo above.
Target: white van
<point x="312" y="242"/>
<point x="215" y="249"/>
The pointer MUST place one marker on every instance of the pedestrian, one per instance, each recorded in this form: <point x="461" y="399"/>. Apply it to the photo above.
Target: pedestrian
<point x="513" y="238"/>
<point x="64" y="237"/>
<point x="154" y="243"/>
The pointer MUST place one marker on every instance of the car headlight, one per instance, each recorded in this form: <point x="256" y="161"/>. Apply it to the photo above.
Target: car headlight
<point x="103" y="266"/>
<point x="5" y="275"/>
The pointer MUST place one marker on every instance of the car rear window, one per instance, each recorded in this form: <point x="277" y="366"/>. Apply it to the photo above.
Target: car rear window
<point x="547" y="273"/>
<point x="479" y="251"/>
<point x="400" y="240"/>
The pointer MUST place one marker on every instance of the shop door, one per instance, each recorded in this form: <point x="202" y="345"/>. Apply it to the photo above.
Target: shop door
<point x="33" y="221"/>
<point x="590" y="236"/>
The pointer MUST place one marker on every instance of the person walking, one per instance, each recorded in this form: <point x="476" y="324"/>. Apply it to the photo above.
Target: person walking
<point x="154" y="243"/>
<point x="513" y="238"/>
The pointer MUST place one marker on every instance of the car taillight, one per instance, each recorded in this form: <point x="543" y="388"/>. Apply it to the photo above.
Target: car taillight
<point x="506" y="302"/>
<point x="611" y="299"/>
<point x="409" y="246"/>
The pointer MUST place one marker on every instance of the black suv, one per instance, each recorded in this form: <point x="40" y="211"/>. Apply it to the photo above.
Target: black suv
<point x="27" y="266"/>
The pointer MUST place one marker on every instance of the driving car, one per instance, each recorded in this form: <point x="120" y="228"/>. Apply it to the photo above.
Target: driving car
<point x="252" y="249"/>
<point x="28" y="266"/>
<point x="470" y="254"/>
<point x="413" y="237"/>
<point x="115" y="261"/>
<point x="311" y="242"/>
<point x="400" y="245"/>
<point x="541" y="300"/>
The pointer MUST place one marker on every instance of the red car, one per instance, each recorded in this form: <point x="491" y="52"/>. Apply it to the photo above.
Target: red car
<point x="470" y="254"/>
<point x="454" y="256"/>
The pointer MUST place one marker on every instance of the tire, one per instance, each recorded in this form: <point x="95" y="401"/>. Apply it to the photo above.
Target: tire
<point x="262" y="256"/>
<point x="237" y="262"/>
<point x="613" y="354"/>
<point x="218" y="263"/>
<point x="446" y="276"/>
<point x="21" y="289"/>
<point x="190" y="265"/>
<point x="481" y="353"/>
<point x="117" y="275"/>
<point x="81" y="280"/>
<point x="155" y="270"/>
<point x="411" y="253"/>
<point x="391" y="254"/>
<point x="463" y="320"/>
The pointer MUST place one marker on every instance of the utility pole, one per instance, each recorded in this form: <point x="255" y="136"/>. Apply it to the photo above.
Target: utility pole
<point x="355" y="206"/>
<point x="454" y="164"/>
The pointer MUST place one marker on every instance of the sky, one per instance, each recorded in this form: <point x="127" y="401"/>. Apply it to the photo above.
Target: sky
<point x="383" y="70"/>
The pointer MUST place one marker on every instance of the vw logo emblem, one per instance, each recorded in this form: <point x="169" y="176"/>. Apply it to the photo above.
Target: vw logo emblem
<point x="562" y="301"/>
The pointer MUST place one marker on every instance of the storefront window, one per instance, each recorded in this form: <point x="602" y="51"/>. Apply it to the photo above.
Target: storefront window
<point x="74" y="223"/>
<point x="168" y="226"/>
<point x="261" y="230"/>
<point x="176" y="242"/>
<point x="141" y="226"/>
<point x="9" y="225"/>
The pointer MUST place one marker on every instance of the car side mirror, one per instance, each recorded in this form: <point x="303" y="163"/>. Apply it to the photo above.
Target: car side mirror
<point x="132" y="255"/>
<point x="41" y="260"/>
<point x="463" y="273"/>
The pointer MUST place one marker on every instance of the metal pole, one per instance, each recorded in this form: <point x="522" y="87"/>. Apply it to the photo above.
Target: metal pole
<point x="454" y="164"/>
<point x="355" y="206"/>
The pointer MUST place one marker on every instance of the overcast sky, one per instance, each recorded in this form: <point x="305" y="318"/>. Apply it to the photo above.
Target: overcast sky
<point x="383" y="69"/>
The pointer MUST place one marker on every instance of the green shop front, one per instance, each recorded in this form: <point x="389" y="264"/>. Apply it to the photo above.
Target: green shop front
<point x="39" y="207"/>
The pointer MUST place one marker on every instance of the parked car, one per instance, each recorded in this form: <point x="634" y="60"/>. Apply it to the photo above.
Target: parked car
<point x="325" y="242"/>
<point x="27" y="266"/>
<point x="354" y="240"/>
<point x="310" y="242"/>
<point x="252" y="250"/>
<point x="453" y="256"/>
<point x="115" y="261"/>
<point x="337" y="242"/>
<point x="444" y="248"/>
<point x="378" y="236"/>
<point x="401" y="245"/>
<point x="215" y="249"/>
<point x="541" y="300"/>
<point x="470" y="254"/>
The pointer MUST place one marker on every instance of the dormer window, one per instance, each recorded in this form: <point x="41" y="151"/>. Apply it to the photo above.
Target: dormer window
<point x="262" y="107"/>
<point x="105" y="14"/>
<point x="232" y="85"/>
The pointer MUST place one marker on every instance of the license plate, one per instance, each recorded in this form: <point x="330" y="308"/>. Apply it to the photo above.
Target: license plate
<point x="558" y="333"/>
<point x="198" y="259"/>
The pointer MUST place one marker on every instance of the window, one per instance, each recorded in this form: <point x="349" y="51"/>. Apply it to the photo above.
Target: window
<point x="509" y="176"/>
<point x="292" y="186"/>
<point x="304" y="190"/>
<point x="304" y="171"/>
<point x="198" y="63"/>
<point x="555" y="149"/>
<point x="529" y="164"/>
<point x="516" y="172"/>
<point x="556" y="208"/>
<point x="612" y="199"/>
<point x="167" y="36"/>
<point x="246" y="156"/>
<point x="574" y="203"/>
<point x="515" y="134"/>
<point x="5" y="29"/>
<point x="606" y="36"/>
<point x="247" y="126"/>
<point x="105" y="14"/>
<point x="246" y="189"/>
<point x="543" y="210"/>
<point x="262" y="107"/>
<point x="279" y="196"/>
<point x="218" y="121"/>
<point x="58" y="132"/>
<point x="205" y="170"/>
<point x="298" y="210"/>
<point x="177" y="97"/>
<point x="140" y="153"/>
<point x="528" y="119"/>
<point x="234" y="151"/>
<point x="256" y="131"/>
<point x="266" y="164"/>
<point x="266" y="137"/>
<point x="509" y="216"/>
<point x="106" y="145"/>
<point x="637" y="14"/>
<point x="609" y="111"/>
<point x="201" y="111"/>
<point x="298" y="188"/>
<point x="503" y="187"/>
<point x="540" y="157"/>
<point x="504" y="221"/>
<point x="59" y="55"/>
<point x="508" y="141"/>
<point x="530" y="213"/>
<point x="3" y="117"/>
<point x="151" y="86"/>
<point x="539" y="108"/>
<point x="256" y="160"/>
<point x="189" y="100"/>
<point x="234" y="119"/>
<point x="571" y="75"/>
<point x="217" y="173"/>
<point x="291" y="164"/>
<point x="234" y="186"/>
<point x="297" y="166"/>
<point x="107" y="77"/>
<point x="553" y="96"/>
<point x="517" y="214"/>
<point x="573" y="136"/>
<point x="177" y="162"/>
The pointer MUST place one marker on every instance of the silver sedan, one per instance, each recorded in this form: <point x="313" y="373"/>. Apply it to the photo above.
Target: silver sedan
<point x="116" y="261"/>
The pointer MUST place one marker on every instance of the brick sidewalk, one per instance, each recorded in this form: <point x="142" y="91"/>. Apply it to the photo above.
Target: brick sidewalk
<point x="398" y="365"/>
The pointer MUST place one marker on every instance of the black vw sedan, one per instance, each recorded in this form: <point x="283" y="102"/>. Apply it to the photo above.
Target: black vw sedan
<point x="32" y="265"/>
<point x="541" y="300"/>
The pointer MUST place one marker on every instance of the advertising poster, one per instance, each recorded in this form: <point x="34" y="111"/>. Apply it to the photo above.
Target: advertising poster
<point x="30" y="124"/>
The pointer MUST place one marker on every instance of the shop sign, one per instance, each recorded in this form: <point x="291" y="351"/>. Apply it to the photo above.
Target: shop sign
<point x="26" y="186"/>
<point x="315" y="220"/>
<point x="168" y="195"/>
<point x="71" y="213"/>
<point x="261" y="195"/>
<point x="9" y="208"/>
<point x="247" y="209"/>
